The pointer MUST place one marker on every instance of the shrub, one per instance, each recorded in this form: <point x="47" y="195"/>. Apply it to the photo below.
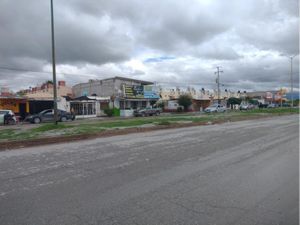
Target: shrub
<point x="160" y="104"/>
<point x="112" y="112"/>
<point x="109" y="112"/>
<point x="116" y="112"/>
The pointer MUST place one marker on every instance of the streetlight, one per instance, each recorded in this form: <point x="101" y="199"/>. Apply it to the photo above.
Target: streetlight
<point x="292" y="82"/>
<point x="218" y="82"/>
<point x="53" y="65"/>
<point x="291" y="73"/>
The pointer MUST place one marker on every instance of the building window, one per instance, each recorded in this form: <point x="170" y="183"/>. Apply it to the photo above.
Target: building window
<point x="84" y="108"/>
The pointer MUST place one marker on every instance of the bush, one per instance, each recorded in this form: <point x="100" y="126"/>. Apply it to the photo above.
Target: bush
<point x="112" y="112"/>
<point x="109" y="112"/>
<point x="116" y="112"/>
<point x="160" y="104"/>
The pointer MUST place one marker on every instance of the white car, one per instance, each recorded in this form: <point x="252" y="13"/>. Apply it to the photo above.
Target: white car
<point x="215" y="108"/>
<point x="247" y="106"/>
<point x="7" y="117"/>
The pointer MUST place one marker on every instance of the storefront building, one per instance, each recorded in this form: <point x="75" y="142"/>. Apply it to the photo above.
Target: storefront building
<point x="89" y="106"/>
<point x="124" y="93"/>
<point x="19" y="105"/>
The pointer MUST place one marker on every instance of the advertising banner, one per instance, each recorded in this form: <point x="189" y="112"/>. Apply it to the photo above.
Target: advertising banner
<point x="134" y="91"/>
<point x="138" y="92"/>
<point x="150" y="92"/>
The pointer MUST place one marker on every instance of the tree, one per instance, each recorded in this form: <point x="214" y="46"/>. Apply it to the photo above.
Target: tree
<point x="185" y="100"/>
<point x="234" y="101"/>
<point x="253" y="101"/>
<point x="49" y="82"/>
<point x="160" y="104"/>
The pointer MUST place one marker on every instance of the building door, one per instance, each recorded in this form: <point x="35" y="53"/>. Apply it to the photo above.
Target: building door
<point x="22" y="111"/>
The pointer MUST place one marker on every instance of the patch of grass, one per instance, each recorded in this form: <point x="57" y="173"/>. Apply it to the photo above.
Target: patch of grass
<point x="85" y="129"/>
<point x="11" y="134"/>
<point x="164" y="123"/>
<point x="6" y="134"/>
<point x="124" y="123"/>
<point x="48" y="127"/>
<point x="98" y="126"/>
<point x="276" y="110"/>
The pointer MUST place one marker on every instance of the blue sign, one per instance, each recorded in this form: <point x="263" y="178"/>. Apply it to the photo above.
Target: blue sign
<point x="150" y="92"/>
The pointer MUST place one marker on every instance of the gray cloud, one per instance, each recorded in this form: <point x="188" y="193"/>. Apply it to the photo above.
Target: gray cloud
<point x="100" y="37"/>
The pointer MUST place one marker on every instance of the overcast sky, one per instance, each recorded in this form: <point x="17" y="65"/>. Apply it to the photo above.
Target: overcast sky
<point x="172" y="42"/>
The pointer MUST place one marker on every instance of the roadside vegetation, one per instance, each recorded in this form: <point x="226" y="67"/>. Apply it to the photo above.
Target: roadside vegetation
<point x="97" y="126"/>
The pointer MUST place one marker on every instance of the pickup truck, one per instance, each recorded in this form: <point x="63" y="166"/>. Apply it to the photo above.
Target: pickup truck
<point x="147" y="112"/>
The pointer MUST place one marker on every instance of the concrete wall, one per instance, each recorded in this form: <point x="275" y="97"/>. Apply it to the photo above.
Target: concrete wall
<point x="104" y="88"/>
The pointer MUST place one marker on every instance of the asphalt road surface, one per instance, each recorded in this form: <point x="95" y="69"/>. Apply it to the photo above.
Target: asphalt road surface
<point x="241" y="173"/>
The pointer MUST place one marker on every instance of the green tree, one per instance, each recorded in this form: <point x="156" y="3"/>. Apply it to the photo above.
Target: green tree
<point x="234" y="101"/>
<point x="253" y="101"/>
<point x="160" y="104"/>
<point x="49" y="82"/>
<point x="185" y="100"/>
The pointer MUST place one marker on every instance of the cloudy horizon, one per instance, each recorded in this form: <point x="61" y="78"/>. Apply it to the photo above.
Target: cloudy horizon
<point x="174" y="43"/>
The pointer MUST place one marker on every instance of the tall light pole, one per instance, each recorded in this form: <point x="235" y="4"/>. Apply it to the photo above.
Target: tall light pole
<point x="218" y="82"/>
<point x="53" y="65"/>
<point x="292" y="82"/>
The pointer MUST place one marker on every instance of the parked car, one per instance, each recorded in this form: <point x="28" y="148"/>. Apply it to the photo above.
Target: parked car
<point x="147" y="112"/>
<point x="7" y="117"/>
<point x="261" y="106"/>
<point x="272" y="105"/>
<point x="48" y="116"/>
<point x="247" y="106"/>
<point x="244" y="107"/>
<point x="215" y="108"/>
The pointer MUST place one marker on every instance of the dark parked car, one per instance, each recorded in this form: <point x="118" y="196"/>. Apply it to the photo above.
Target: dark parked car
<point x="48" y="116"/>
<point x="147" y="112"/>
<point x="261" y="106"/>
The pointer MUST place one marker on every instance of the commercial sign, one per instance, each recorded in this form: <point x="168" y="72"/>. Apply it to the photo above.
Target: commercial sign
<point x="150" y="91"/>
<point x="140" y="92"/>
<point x="134" y="91"/>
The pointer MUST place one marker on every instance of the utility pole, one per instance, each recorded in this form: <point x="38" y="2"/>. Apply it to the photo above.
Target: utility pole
<point x="53" y="65"/>
<point x="292" y="82"/>
<point x="218" y="82"/>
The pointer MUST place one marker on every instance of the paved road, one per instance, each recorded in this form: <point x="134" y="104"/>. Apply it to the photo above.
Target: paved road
<point x="241" y="173"/>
